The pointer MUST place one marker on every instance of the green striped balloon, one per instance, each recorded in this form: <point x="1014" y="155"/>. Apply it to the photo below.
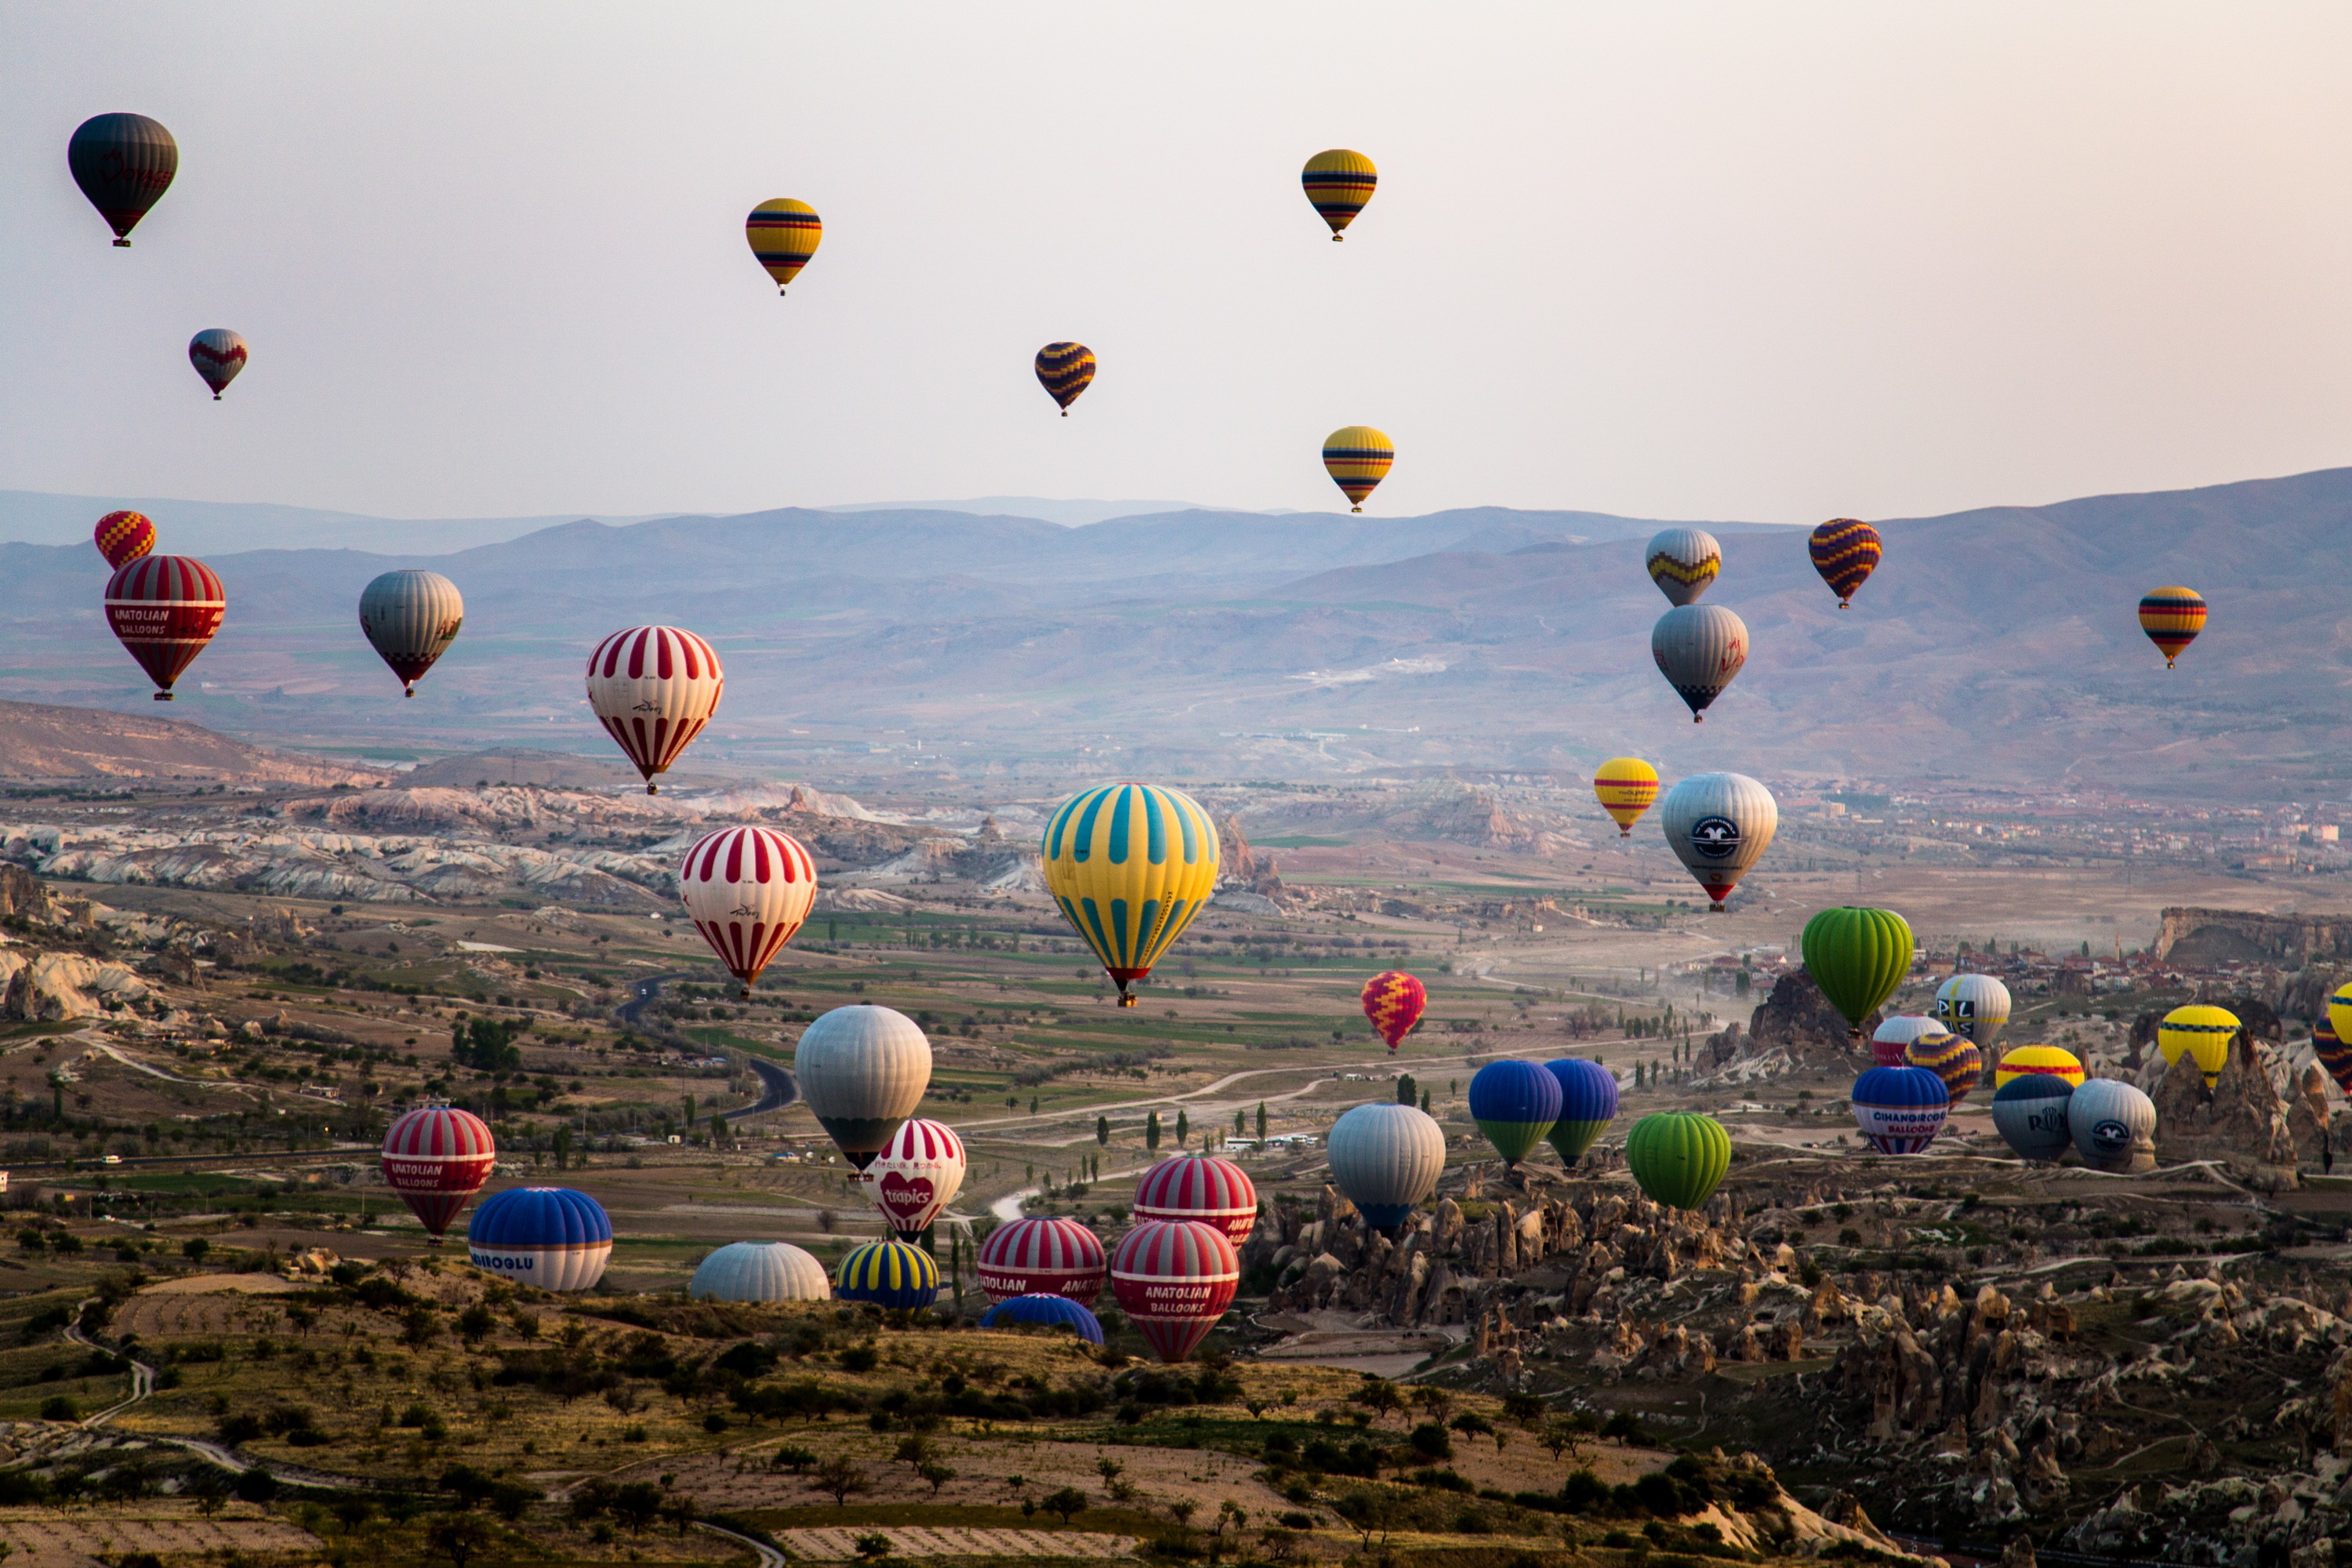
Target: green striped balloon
<point x="1857" y="957"/>
<point x="1678" y="1157"/>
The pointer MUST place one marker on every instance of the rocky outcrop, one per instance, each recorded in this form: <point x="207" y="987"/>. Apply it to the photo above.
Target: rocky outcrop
<point x="2190" y="937"/>
<point x="42" y="987"/>
<point x="1241" y="868"/>
<point x="1794" y="1027"/>
<point x="2240" y="1121"/>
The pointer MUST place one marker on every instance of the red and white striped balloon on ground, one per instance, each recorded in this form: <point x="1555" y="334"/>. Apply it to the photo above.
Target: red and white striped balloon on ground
<point x="165" y="609"/>
<point x="748" y="889"/>
<point x="1175" y="1278"/>
<point x="436" y="1157"/>
<point x="653" y="689"/>
<point x="1199" y="1186"/>
<point x="1042" y="1257"/>
<point x="915" y="1176"/>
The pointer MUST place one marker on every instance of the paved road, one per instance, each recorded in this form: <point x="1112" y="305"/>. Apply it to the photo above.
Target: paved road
<point x="769" y="1556"/>
<point x="780" y="1088"/>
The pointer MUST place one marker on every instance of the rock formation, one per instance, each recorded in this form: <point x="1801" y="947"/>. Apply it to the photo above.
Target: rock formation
<point x="2239" y="1121"/>
<point x="2212" y="937"/>
<point x="1794" y="1027"/>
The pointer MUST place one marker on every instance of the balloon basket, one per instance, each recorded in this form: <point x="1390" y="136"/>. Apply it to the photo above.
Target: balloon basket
<point x="1126" y="1001"/>
<point x="122" y="244"/>
<point x="162" y="697"/>
<point x="652" y="788"/>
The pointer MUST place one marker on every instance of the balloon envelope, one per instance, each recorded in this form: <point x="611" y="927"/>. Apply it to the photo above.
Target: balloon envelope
<point x="1699" y="648"/>
<point x="748" y="891"/>
<point x="1626" y="787"/>
<point x="1515" y="1104"/>
<point x="760" y="1271"/>
<point x="2335" y="1055"/>
<point x="2340" y="1012"/>
<point x="1386" y="1158"/>
<point x="124" y="536"/>
<point x="1357" y="457"/>
<point x="218" y="354"/>
<point x="1682" y="561"/>
<point x="1858" y="957"/>
<point x="1845" y="551"/>
<point x="1975" y="1008"/>
<point x="1588" y="1103"/>
<point x="783" y="234"/>
<point x="2114" y="1125"/>
<point x="1043" y="1256"/>
<point x="123" y="164"/>
<point x="2054" y="1061"/>
<point x="165" y="609"/>
<point x="2172" y="618"/>
<point x="1064" y="370"/>
<point x="916" y="1175"/>
<point x="862" y="1071"/>
<point x="1718" y="825"/>
<point x="888" y="1274"/>
<point x="1045" y="1312"/>
<point x="1900" y="1109"/>
<point x="552" y="1238"/>
<point x="2200" y="1032"/>
<point x="653" y="689"/>
<point x="1894" y="1035"/>
<point x="1175" y="1278"/>
<point x="1202" y="1188"/>
<point x="2029" y="1113"/>
<point x="1130" y="864"/>
<point x="1339" y="182"/>
<point x="1678" y="1157"/>
<point x="436" y="1157"/>
<point x="1951" y="1058"/>
<point x="1394" y="1001"/>
<point x="410" y="618"/>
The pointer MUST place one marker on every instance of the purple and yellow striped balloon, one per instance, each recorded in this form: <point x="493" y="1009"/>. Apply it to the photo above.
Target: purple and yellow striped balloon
<point x="1845" y="551"/>
<point x="1064" y="370"/>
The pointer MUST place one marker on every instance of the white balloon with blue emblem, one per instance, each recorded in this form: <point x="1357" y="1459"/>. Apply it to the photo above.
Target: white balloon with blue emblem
<point x="551" y="1238"/>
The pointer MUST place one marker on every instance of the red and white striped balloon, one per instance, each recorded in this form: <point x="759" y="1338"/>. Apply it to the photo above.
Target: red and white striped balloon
<point x="747" y="889"/>
<point x="915" y="1176"/>
<point x="165" y="609"/>
<point x="1175" y="1278"/>
<point x="1199" y="1186"/>
<point x="1042" y="1257"/>
<point x="436" y="1157"/>
<point x="653" y="688"/>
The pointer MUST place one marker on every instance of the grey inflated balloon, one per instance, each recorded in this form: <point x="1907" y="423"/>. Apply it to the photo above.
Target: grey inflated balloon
<point x="1698" y="649"/>
<point x="1682" y="563"/>
<point x="1718" y="824"/>
<point x="411" y="618"/>
<point x="760" y="1271"/>
<point x="1385" y="1158"/>
<point x="2114" y="1124"/>
<point x="863" y="1070"/>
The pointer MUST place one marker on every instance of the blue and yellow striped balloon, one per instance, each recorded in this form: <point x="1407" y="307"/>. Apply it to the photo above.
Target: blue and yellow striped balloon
<point x="783" y="234"/>
<point x="1357" y="457"/>
<point x="1339" y="182"/>
<point x="888" y="1274"/>
<point x="1130" y="864"/>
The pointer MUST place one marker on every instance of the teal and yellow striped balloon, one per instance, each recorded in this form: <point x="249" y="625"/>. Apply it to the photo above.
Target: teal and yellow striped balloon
<point x="888" y="1274"/>
<point x="1130" y="864"/>
<point x="1339" y="182"/>
<point x="783" y="234"/>
<point x="1357" y="456"/>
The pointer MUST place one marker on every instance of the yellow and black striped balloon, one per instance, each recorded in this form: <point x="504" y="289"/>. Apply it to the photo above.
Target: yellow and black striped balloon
<point x="1339" y="182"/>
<point x="1064" y="370"/>
<point x="1357" y="458"/>
<point x="783" y="234"/>
<point x="1130" y="864"/>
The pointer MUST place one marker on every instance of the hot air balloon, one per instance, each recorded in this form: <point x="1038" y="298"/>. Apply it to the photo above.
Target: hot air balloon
<point x="1386" y="1158"/>
<point x="747" y="890"/>
<point x="2029" y="1113"/>
<point x="1394" y="1001"/>
<point x="2172" y="618"/>
<point x="1175" y="1278"/>
<point x="1515" y="1104"/>
<point x="1130" y="864"/>
<point x="1202" y="1188"/>
<point x="1857" y="957"/>
<point x="1900" y="1109"/>
<point x="1894" y="1035"/>
<point x="1063" y="370"/>
<point x="165" y="609"/>
<point x="1045" y="1312"/>
<point x="1683" y="561"/>
<point x="1678" y="1157"/>
<point x="124" y="536"/>
<point x="1951" y="1058"/>
<point x="123" y="164"/>
<point x="862" y="1072"/>
<point x="760" y="1271"/>
<point x="1975" y="1008"/>
<point x="894" y="1274"/>
<point x="2339" y="1011"/>
<point x="1626" y="787"/>
<point x="2114" y="1126"/>
<point x="653" y="688"/>
<point x="1339" y="182"/>
<point x="915" y="1176"/>
<point x="1588" y="1103"/>
<point x="552" y="1238"/>
<point x="1043" y="1257"/>
<point x="1357" y="456"/>
<point x="1699" y="648"/>
<point x="783" y="234"/>
<point x="2335" y="1055"/>
<point x="2203" y="1033"/>
<point x="1845" y="551"/>
<point x="2050" y="1060"/>
<point x="411" y="618"/>
<point x="218" y="354"/>
<point x="436" y="1157"/>
<point x="1718" y="825"/>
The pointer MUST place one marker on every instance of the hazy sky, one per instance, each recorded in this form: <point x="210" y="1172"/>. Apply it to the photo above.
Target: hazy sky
<point x="1771" y="261"/>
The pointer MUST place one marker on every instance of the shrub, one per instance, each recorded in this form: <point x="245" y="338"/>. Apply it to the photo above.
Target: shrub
<point x="59" y="1407"/>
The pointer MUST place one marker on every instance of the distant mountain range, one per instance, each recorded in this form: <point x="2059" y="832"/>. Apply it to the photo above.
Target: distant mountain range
<point x="1998" y="646"/>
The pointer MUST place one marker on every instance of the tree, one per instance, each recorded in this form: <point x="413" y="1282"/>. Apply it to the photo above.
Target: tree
<point x="1183" y="1127"/>
<point x="562" y="1145"/>
<point x="193" y="1249"/>
<point x="1472" y="1424"/>
<point x="1230" y="1512"/>
<point x="1424" y="1103"/>
<point x="1102" y="1130"/>
<point x="680" y="1510"/>
<point x="792" y="1458"/>
<point x="1380" y="1396"/>
<point x="1261" y="1121"/>
<point x="458" y="1537"/>
<point x="840" y="1477"/>
<point x="1408" y="1092"/>
<point x="938" y="1475"/>
<point x="917" y="1451"/>
<point x="636" y="1504"/>
<point x="1368" y="1512"/>
<point x="718" y="1129"/>
<point x="475" y="1323"/>
<point x="1069" y="1502"/>
<point x="1434" y="1402"/>
<point x="1567" y="1434"/>
<point x="1241" y="1124"/>
<point x="1151" y="1132"/>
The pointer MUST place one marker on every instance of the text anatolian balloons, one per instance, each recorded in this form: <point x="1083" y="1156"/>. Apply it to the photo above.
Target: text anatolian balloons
<point x="436" y="1157"/>
<point x="1698" y="649"/>
<point x="1041" y="1255"/>
<point x="653" y="689"/>
<point x="1175" y="1278"/>
<point x="1682" y="563"/>
<point x="747" y="890"/>
<point x="218" y="354"/>
<point x="411" y="618"/>
<point x="1202" y="1188"/>
<point x="1718" y="825"/>
<point x="915" y="1176"/>
<point x="164" y="610"/>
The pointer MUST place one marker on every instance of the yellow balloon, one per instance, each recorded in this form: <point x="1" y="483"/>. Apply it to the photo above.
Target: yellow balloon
<point x="1626" y="787"/>
<point x="783" y="234"/>
<point x="1357" y="457"/>
<point x="1130" y="864"/>
<point x="1339" y="182"/>
<point x="2200" y="1032"/>
<point x="2058" y="1063"/>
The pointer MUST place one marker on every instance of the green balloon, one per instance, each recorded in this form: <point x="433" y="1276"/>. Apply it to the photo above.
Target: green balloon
<point x="1678" y="1157"/>
<point x="1857" y="957"/>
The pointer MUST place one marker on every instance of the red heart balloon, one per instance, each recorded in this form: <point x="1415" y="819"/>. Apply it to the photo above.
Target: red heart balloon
<point x="906" y="1199"/>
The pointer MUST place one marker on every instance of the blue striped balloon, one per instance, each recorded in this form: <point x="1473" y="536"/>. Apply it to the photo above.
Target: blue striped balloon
<point x="1051" y="1311"/>
<point x="1514" y="1103"/>
<point x="1900" y="1109"/>
<point x="888" y="1274"/>
<point x="1588" y="1104"/>
<point x="550" y="1237"/>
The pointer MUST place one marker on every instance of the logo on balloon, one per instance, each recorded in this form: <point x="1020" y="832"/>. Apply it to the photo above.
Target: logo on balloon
<point x="903" y="1198"/>
<point x="1715" y="837"/>
<point x="2110" y="1137"/>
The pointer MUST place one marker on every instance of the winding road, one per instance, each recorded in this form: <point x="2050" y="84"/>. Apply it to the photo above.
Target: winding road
<point x="780" y="1088"/>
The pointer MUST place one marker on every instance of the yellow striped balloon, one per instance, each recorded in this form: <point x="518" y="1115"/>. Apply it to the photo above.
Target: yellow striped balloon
<point x="1064" y="370"/>
<point x="1357" y="457"/>
<point x="1339" y="182"/>
<point x="2172" y="618"/>
<point x="1130" y="864"/>
<point x="2055" y="1060"/>
<point x="1626" y="786"/>
<point x="2202" y="1032"/>
<point x="783" y="234"/>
